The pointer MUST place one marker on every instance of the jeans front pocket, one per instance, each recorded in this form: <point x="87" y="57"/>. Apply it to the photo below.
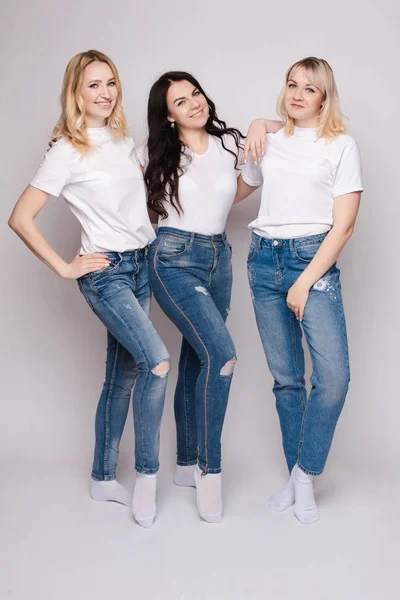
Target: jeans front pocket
<point x="112" y="268"/>
<point x="253" y="248"/>
<point x="171" y="248"/>
<point x="306" y="252"/>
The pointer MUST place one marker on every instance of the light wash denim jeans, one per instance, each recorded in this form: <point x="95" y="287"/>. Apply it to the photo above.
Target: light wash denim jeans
<point x="120" y="296"/>
<point x="191" y="277"/>
<point x="307" y="424"/>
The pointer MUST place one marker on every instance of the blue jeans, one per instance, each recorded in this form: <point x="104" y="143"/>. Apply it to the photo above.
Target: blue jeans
<point x="191" y="277"/>
<point x="307" y="424"/>
<point x="120" y="296"/>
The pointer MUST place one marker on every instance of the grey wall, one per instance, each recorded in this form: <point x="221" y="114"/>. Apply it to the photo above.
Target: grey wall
<point x="53" y="347"/>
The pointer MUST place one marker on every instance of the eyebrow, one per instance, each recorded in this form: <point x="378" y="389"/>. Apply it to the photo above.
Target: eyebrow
<point x="184" y="97"/>
<point x="307" y="84"/>
<point x="99" y="80"/>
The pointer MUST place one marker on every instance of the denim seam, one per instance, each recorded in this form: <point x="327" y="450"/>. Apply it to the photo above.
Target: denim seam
<point x="213" y="266"/>
<point x="187" y="463"/>
<point x="184" y="397"/>
<point x="293" y="323"/>
<point x="205" y="349"/>
<point x="107" y="411"/>
<point x="308" y="470"/>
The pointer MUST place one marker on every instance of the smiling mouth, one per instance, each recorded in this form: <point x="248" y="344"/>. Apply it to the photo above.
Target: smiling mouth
<point x="105" y="104"/>
<point x="198" y="113"/>
<point x="297" y="106"/>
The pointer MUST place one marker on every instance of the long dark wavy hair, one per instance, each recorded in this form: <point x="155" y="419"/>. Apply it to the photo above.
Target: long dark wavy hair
<point x="166" y="149"/>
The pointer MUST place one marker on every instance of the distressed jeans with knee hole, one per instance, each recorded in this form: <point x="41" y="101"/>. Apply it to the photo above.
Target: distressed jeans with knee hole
<point x="120" y="296"/>
<point x="307" y="422"/>
<point x="191" y="277"/>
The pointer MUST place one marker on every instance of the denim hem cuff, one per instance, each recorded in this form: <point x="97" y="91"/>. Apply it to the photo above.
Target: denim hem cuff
<point x="307" y="471"/>
<point x="144" y="471"/>
<point x="96" y="477"/>
<point x="210" y="471"/>
<point x="186" y="463"/>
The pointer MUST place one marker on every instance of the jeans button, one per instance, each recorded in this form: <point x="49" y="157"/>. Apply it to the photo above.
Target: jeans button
<point x="275" y="243"/>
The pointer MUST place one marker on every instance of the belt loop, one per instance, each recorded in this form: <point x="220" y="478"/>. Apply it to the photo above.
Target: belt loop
<point x="291" y="245"/>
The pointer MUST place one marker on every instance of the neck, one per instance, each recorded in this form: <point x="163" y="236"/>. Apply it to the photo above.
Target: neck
<point x="195" y="139"/>
<point x="94" y="122"/>
<point x="311" y="123"/>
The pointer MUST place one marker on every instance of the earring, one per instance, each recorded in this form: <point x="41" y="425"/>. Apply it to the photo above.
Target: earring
<point x="172" y="125"/>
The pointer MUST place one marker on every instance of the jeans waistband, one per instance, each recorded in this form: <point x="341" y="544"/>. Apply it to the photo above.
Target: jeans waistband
<point x="196" y="238"/>
<point x="290" y="243"/>
<point x="129" y="254"/>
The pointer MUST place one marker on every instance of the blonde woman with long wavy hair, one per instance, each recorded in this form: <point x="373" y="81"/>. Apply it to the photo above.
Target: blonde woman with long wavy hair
<point x="311" y="173"/>
<point x="93" y="166"/>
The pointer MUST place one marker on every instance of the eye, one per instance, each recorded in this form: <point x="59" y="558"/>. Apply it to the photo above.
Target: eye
<point x="93" y="86"/>
<point x="291" y="85"/>
<point x="310" y="90"/>
<point x="111" y="83"/>
<point x="196" y="93"/>
<point x="180" y="102"/>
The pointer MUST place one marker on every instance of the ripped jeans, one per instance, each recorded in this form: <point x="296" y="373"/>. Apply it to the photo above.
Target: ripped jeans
<point x="120" y="296"/>
<point x="191" y="277"/>
<point x="307" y="423"/>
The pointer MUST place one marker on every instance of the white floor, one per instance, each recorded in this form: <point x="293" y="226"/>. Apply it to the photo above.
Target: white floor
<point x="58" y="544"/>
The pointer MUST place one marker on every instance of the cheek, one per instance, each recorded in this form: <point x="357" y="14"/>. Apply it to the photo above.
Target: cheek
<point x="315" y="103"/>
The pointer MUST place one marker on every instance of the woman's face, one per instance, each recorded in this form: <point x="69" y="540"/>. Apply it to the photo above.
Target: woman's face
<point x="187" y="106"/>
<point x="302" y="99"/>
<point x="99" y="93"/>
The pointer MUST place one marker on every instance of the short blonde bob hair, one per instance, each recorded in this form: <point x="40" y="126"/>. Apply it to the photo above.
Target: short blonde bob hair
<point x="320" y="74"/>
<point x="71" y="124"/>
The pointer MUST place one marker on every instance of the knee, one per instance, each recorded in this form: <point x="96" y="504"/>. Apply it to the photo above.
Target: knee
<point x="162" y="369"/>
<point x="333" y="386"/>
<point x="228" y="368"/>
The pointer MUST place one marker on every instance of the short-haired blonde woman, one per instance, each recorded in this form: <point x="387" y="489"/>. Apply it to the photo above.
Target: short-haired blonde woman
<point x="93" y="166"/>
<point x="310" y="198"/>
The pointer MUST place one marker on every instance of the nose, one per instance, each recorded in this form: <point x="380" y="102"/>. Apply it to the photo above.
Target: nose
<point x="195" y="103"/>
<point x="298" y="95"/>
<point x="105" y="92"/>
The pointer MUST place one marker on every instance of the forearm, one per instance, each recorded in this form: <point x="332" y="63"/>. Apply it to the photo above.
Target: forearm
<point x="31" y="236"/>
<point x="243" y="190"/>
<point x="326" y="256"/>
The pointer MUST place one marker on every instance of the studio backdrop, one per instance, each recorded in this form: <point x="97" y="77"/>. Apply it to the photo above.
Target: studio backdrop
<point x="53" y="347"/>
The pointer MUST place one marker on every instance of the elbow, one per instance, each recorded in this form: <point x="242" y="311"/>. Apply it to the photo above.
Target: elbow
<point x="16" y="224"/>
<point x="12" y="223"/>
<point x="345" y="232"/>
<point x="348" y="232"/>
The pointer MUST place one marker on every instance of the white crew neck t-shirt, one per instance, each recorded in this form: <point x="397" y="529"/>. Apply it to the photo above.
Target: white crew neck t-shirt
<point x="105" y="191"/>
<point x="301" y="176"/>
<point x="207" y="188"/>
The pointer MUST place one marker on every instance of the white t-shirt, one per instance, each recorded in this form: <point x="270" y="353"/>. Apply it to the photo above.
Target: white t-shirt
<point x="206" y="190"/>
<point x="301" y="176"/>
<point x="105" y="191"/>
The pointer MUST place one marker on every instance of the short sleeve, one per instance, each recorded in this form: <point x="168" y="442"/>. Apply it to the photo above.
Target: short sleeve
<point x="252" y="174"/>
<point x="348" y="176"/>
<point x="54" y="171"/>
<point x="142" y="155"/>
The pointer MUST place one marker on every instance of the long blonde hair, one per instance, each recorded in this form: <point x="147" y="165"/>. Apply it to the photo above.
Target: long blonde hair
<point x="71" y="124"/>
<point x="330" y="118"/>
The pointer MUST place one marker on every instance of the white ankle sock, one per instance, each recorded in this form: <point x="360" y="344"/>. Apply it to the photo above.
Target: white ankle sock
<point x="305" y="508"/>
<point x="110" y="490"/>
<point x="209" y="495"/>
<point x="185" y="475"/>
<point x="144" y="499"/>
<point x="283" y="499"/>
